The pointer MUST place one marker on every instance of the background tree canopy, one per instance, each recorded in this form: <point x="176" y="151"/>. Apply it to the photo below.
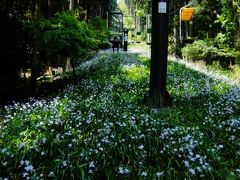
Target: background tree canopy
<point x="43" y="32"/>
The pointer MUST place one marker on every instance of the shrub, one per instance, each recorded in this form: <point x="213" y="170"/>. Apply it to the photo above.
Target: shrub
<point x="101" y="33"/>
<point x="206" y="51"/>
<point x="195" y="51"/>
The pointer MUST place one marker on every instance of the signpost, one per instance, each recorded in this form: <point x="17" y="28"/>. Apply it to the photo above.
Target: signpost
<point x="158" y="96"/>
<point x="185" y="14"/>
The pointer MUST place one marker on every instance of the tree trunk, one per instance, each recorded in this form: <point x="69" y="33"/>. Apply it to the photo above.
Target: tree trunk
<point x="74" y="71"/>
<point x="37" y="8"/>
<point x="71" y="5"/>
<point x="50" y="8"/>
<point x="35" y="60"/>
<point x="175" y="36"/>
<point x="175" y="41"/>
<point x="34" y="70"/>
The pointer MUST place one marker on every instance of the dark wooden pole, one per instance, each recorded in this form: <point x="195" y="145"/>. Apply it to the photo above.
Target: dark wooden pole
<point x="158" y="95"/>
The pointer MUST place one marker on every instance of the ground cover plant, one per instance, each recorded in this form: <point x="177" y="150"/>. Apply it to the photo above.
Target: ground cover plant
<point x="100" y="129"/>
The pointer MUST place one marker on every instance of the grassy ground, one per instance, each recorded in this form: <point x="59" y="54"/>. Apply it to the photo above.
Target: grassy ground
<point x="100" y="129"/>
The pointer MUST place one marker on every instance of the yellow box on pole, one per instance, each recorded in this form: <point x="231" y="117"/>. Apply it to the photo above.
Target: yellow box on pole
<point x="187" y="14"/>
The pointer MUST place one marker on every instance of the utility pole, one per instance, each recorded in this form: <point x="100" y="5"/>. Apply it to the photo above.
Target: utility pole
<point x="158" y="96"/>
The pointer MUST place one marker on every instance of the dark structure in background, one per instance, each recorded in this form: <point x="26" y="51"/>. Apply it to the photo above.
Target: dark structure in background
<point x="158" y="96"/>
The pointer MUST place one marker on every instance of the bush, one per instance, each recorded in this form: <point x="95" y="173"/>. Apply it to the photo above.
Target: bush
<point x="101" y="33"/>
<point x="206" y="51"/>
<point x="65" y="35"/>
<point x="195" y="51"/>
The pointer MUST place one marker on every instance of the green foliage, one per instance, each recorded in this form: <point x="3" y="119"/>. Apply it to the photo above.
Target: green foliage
<point x="65" y="35"/>
<point x="196" y="51"/>
<point x="218" y="19"/>
<point x="101" y="33"/>
<point x="140" y="13"/>
<point x="206" y="51"/>
<point x="101" y="129"/>
<point x="227" y="21"/>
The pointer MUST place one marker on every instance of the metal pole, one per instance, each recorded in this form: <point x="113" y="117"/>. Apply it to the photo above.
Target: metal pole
<point x="180" y="25"/>
<point x="125" y="38"/>
<point x="180" y="22"/>
<point x="158" y="95"/>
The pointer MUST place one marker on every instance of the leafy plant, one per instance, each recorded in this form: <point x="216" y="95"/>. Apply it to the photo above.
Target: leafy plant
<point x="99" y="128"/>
<point x="205" y="50"/>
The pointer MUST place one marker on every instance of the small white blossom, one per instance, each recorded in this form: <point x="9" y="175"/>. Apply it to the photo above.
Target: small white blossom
<point x="21" y="145"/>
<point x="186" y="163"/>
<point x="21" y="162"/>
<point x="238" y="171"/>
<point x="25" y="174"/>
<point x="141" y="147"/>
<point x="27" y="162"/>
<point x="220" y="146"/>
<point x="144" y="173"/>
<point x="44" y="140"/>
<point x="64" y="163"/>
<point x="51" y="173"/>
<point x="158" y="174"/>
<point x="4" y="163"/>
<point x="90" y="171"/>
<point x="192" y="171"/>
<point x="91" y="164"/>
<point x="29" y="168"/>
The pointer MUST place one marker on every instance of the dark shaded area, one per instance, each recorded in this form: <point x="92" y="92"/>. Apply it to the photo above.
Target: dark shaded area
<point x="13" y="51"/>
<point x="20" y="49"/>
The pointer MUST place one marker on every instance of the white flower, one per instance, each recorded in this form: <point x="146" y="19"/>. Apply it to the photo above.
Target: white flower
<point x="159" y="174"/>
<point x="91" y="164"/>
<point x="126" y="171"/>
<point x="186" y="163"/>
<point x="141" y="146"/>
<point x="238" y="171"/>
<point x="144" y="173"/>
<point x="64" y="163"/>
<point x="51" y="173"/>
<point x="25" y="174"/>
<point x="120" y="170"/>
<point x="27" y="162"/>
<point x="21" y="145"/>
<point x="21" y="162"/>
<point x="29" y="168"/>
<point x="4" y="150"/>
<point x="90" y="171"/>
<point x="44" y="140"/>
<point x="192" y="171"/>
<point x="4" y="163"/>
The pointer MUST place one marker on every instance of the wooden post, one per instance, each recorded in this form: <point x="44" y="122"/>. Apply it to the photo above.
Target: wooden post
<point x="158" y="96"/>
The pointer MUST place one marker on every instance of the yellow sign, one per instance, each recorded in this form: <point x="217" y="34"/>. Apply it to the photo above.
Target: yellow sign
<point x="187" y="14"/>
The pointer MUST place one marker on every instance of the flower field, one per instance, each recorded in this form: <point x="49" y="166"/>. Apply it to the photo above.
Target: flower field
<point x="100" y="129"/>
